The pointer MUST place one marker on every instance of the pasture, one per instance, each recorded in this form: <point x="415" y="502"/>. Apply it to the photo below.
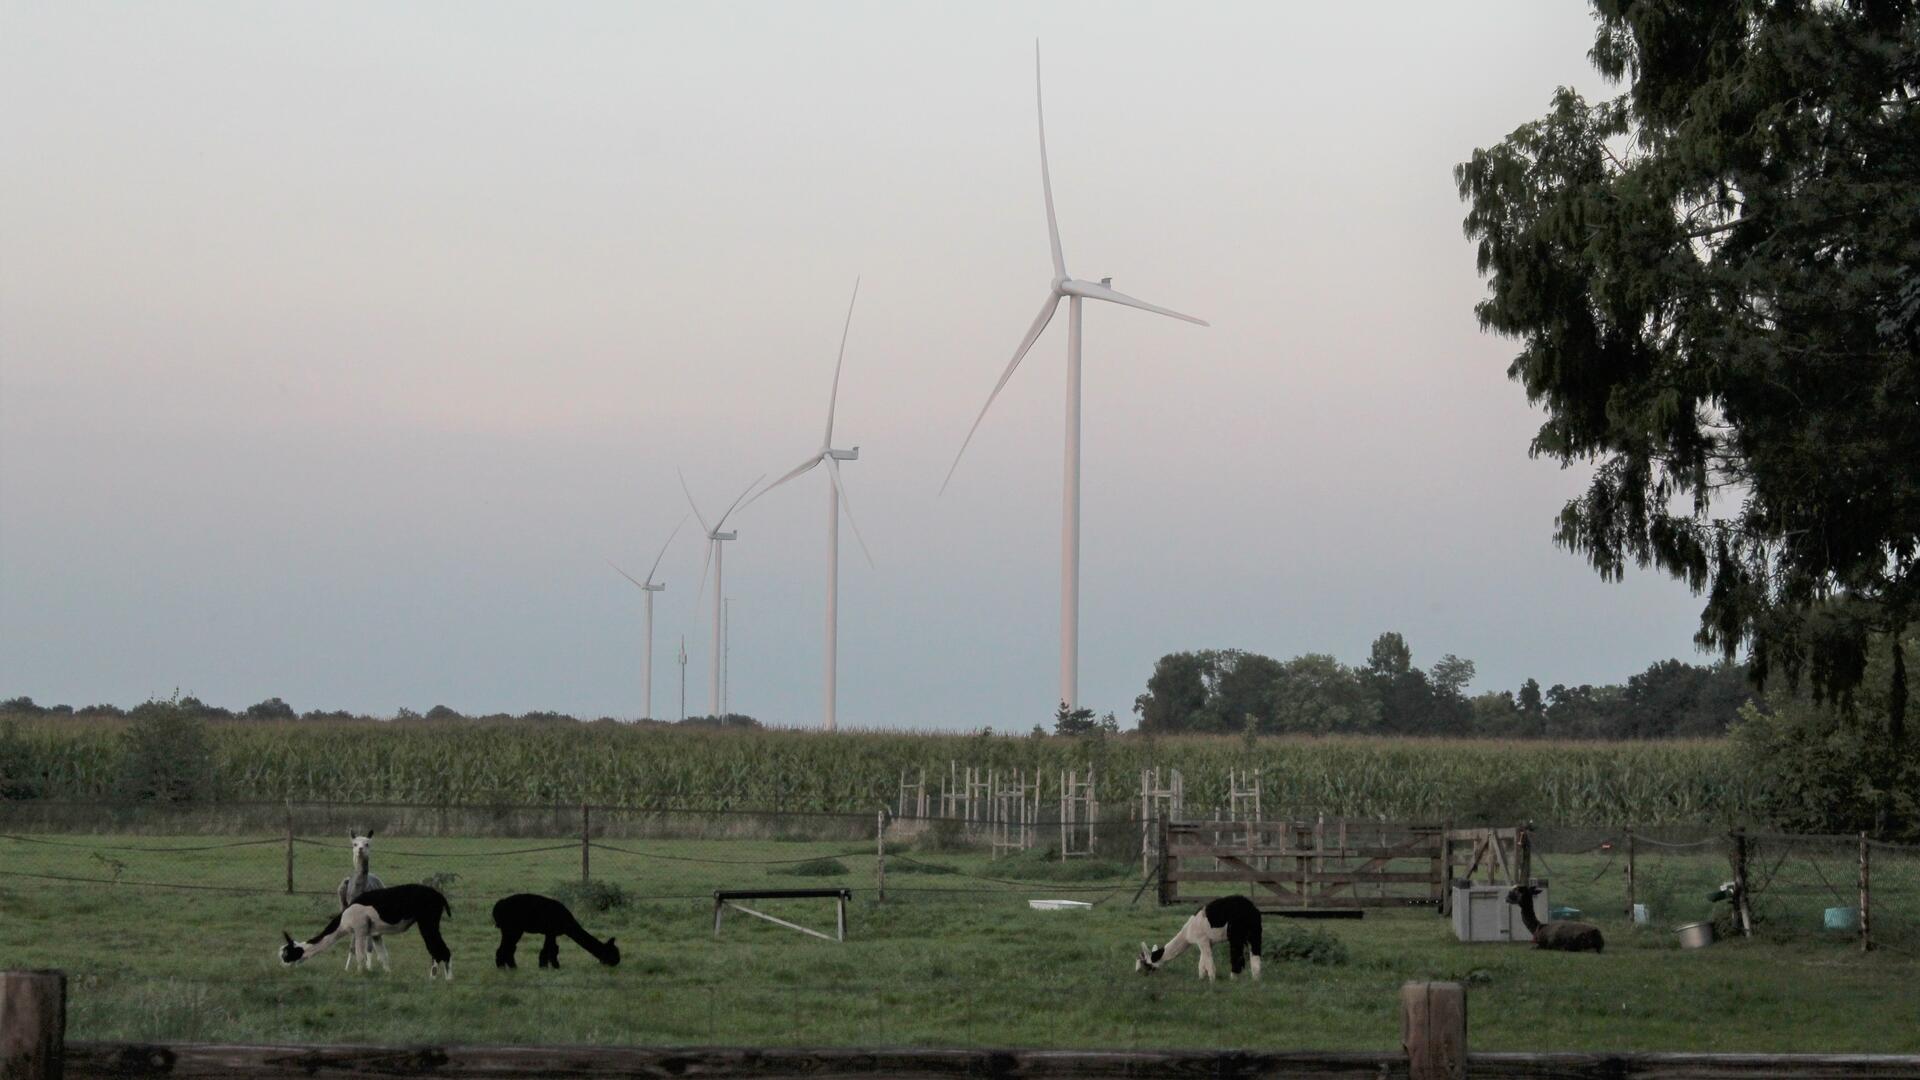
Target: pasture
<point x="953" y="956"/>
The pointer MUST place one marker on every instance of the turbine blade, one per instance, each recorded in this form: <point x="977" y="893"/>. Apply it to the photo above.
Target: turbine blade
<point x="736" y="502"/>
<point x="663" y="549"/>
<point x="846" y="507"/>
<point x="1040" y="322"/>
<point x="705" y="565"/>
<point x="833" y="401"/>
<point x="696" y="508"/>
<point x="797" y="470"/>
<point x="1096" y="291"/>
<point x="1046" y="178"/>
<point x="623" y="573"/>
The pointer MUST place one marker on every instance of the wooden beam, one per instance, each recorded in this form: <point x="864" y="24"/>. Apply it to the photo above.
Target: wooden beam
<point x="87" y="1060"/>
<point x="33" y="1025"/>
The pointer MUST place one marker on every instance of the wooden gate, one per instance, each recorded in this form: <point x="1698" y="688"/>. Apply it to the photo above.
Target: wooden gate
<point x="1304" y="866"/>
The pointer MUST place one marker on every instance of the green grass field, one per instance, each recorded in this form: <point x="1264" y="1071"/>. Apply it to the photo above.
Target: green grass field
<point x="970" y="968"/>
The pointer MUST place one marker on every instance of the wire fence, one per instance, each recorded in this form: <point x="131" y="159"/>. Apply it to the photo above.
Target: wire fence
<point x="1847" y="890"/>
<point x="304" y="850"/>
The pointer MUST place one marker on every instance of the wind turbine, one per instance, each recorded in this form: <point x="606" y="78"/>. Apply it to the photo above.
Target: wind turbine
<point x="649" y="587"/>
<point x="715" y="557"/>
<point x="835" y="493"/>
<point x="1074" y="291"/>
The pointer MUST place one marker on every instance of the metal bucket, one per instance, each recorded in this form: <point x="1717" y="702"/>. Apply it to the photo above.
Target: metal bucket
<point x="1697" y="935"/>
<point x="1640" y="916"/>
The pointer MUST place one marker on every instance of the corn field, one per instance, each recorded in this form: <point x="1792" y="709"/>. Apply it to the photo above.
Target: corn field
<point x="1404" y="780"/>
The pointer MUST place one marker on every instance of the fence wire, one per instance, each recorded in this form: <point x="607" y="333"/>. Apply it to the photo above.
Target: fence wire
<point x="1795" y="887"/>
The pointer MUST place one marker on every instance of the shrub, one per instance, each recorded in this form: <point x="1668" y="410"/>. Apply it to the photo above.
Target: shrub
<point x="1287" y="940"/>
<point x="814" y="868"/>
<point x="591" y="895"/>
<point x="166" y="755"/>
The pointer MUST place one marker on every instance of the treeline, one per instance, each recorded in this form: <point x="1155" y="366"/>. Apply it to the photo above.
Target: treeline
<point x="274" y="710"/>
<point x="1233" y="691"/>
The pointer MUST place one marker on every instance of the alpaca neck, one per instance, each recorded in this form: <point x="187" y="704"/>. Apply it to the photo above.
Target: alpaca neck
<point x="1527" y="916"/>
<point x="594" y="946"/>
<point x="360" y="871"/>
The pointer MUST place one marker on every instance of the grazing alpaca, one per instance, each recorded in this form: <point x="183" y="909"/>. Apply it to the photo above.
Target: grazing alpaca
<point x="381" y="911"/>
<point x="1559" y="934"/>
<point x="362" y="879"/>
<point x="1232" y="919"/>
<point x="526" y="913"/>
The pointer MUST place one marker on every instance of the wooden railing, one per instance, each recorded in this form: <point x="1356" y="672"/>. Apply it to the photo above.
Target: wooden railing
<point x="1433" y="1047"/>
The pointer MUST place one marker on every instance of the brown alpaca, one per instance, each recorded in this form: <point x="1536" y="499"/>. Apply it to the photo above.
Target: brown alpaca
<point x="1559" y="934"/>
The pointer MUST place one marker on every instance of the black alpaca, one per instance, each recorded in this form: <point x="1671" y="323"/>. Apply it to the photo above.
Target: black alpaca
<point x="527" y="913"/>
<point x="1232" y="919"/>
<point x="377" y="912"/>
<point x="1560" y="934"/>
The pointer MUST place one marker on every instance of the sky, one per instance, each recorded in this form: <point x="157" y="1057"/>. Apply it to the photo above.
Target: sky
<point x="342" y="345"/>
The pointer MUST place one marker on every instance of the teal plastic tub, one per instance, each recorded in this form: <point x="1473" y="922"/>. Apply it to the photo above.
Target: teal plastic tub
<point x="1843" y="918"/>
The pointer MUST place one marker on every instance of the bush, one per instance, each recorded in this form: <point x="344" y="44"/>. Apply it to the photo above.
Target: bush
<point x="1295" y="942"/>
<point x="1820" y="770"/>
<point x="166" y="755"/>
<point x="814" y="868"/>
<point x="591" y="895"/>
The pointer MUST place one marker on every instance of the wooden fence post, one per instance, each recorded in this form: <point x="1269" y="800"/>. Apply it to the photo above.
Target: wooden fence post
<point x="880" y="852"/>
<point x="1166" y="862"/>
<point x="289" y="849"/>
<point x="1629" y="873"/>
<point x="1433" y="1030"/>
<point x="33" y="1025"/>
<point x="586" y="841"/>
<point x="1866" y="894"/>
<point x="1742" y="911"/>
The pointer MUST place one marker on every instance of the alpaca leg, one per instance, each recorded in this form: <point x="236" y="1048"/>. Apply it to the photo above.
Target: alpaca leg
<point x="550" y="953"/>
<point x="1207" y="970"/>
<point x="380" y="947"/>
<point x="503" y="956"/>
<point x="436" y="948"/>
<point x="1236" y="958"/>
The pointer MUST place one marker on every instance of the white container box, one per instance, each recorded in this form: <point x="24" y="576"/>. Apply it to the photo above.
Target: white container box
<point x="1481" y="912"/>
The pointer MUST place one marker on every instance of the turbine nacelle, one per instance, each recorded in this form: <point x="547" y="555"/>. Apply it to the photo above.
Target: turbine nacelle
<point x="735" y="535"/>
<point x="843" y="455"/>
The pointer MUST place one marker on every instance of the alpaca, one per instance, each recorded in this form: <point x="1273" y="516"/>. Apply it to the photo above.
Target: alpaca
<point x="526" y="913"/>
<point x="1232" y="919"/>
<point x="362" y="880"/>
<point x="1560" y="934"/>
<point x="377" y="912"/>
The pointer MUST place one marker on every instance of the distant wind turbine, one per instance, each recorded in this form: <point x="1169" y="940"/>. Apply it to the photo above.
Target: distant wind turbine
<point x="1073" y="290"/>
<point x="836" y="491"/>
<point x="649" y="587"/>
<point x="716" y="556"/>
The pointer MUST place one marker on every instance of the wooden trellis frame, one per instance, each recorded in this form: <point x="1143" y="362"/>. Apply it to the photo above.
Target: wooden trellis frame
<point x="1079" y="814"/>
<point x="1158" y="802"/>
<point x="1505" y="854"/>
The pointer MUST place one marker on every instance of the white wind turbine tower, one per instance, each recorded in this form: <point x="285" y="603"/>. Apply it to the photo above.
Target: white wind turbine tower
<point x="835" y="493"/>
<point x="649" y="587"/>
<point x="1074" y="291"/>
<point x="716" y="555"/>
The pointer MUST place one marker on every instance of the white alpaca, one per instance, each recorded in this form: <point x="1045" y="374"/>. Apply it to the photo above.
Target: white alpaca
<point x="361" y="880"/>
<point x="1232" y="919"/>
